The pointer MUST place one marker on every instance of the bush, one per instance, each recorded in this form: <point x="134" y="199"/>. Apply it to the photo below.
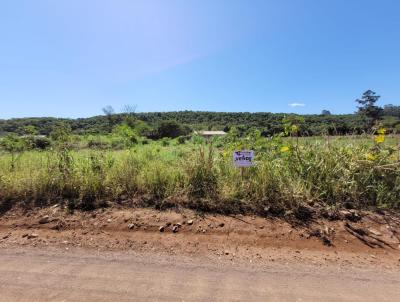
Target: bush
<point x="165" y="142"/>
<point x="41" y="143"/>
<point x="172" y="129"/>
<point x="181" y="140"/>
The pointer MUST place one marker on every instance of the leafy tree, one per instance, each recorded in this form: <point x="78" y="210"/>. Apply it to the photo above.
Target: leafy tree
<point x="14" y="145"/>
<point x="172" y="129"/>
<point x="126" y="133"/>
<point x="29" y="130"/>
<point x="142" y="128"/>
<point x="293" y="125"/>
<point x="391" y="110"/>
<point x="368" y="107"/>
<point x="61" y="133"/>
<point x="325" y="112"/>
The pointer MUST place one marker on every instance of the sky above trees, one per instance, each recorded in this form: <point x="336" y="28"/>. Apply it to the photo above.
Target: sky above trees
<point x="72" y="58"/>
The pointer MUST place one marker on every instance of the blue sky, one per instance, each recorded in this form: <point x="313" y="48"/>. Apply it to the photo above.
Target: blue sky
<point x="70" y="58"/>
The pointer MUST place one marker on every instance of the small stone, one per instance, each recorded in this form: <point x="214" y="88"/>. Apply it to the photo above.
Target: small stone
<point x="108" y="220"/>
<point x="32" y="236"/>
<point x="44" y="219"/>
<point x="226" y="253"/>
<point x="221" y="225"/>
<point x="375" y="232"/>
<point x="190" y="222"/>
<point x="178" y="225"/>
<point x="175" y="229"/>
<point x="161" y="229"/>
<point x="131" y="226"/>
<point x="168" y="224"/>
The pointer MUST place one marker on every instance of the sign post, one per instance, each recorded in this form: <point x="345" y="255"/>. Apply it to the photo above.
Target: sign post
<point x="243" y="159"/>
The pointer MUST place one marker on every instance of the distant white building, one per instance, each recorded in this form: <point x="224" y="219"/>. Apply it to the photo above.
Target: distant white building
<point x="209" y="134"/>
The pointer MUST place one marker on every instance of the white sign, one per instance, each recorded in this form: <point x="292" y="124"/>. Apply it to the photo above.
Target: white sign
<point x="243" y="158"/>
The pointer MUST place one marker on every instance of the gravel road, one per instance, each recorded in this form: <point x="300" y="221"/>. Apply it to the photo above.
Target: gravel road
<point x="86" y="275"/>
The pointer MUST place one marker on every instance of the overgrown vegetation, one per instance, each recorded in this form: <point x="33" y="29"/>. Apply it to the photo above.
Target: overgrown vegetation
<point x="160" y="165"/>
<point x="289" y="173"/>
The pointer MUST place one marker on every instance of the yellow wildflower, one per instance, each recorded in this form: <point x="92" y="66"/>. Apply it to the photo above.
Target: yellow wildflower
<point x="380" y="138"/>
<point x="285" y="149"/>
<point x="381" y="131"/>
<point x="370" y="156"/>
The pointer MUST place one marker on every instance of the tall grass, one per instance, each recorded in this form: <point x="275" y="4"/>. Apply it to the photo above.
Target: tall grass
<point x="287" y="173"/>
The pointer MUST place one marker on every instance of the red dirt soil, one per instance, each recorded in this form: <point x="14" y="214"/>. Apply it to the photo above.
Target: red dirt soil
<point x="374" y="240"/>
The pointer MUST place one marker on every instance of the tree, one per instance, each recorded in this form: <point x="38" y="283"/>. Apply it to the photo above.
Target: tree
<point x="129" y="114"/>
<point x="391" y="110"/>
<point x="126" y="133"/>
<point x="29" y="130"/>
<point x="368" y="107"/>
<point x="61" y="133"/>
<point x="109" y="113"/>
<point x="325" y="112"/>
<point x="13" y="144"/>
<point x="129" y="109"/>
<point x="172" y="129"/>
<point x="293" y="124"/>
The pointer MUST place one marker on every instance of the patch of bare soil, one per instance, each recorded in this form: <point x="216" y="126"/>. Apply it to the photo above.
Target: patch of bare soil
<point x="346" y="238"/>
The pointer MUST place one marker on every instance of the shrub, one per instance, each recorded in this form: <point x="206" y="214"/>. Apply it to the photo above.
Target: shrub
<point x="181" y="140"/>
<point x="165" y="142"/>
<point x="41" y="143"/>
<point x="172" y="129"/>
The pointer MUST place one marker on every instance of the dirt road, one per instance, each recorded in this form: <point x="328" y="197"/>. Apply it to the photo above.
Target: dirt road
<point x="86" y="275"/>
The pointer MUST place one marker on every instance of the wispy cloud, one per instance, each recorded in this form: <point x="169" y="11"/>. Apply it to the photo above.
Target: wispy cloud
<point x="296" y="104"/>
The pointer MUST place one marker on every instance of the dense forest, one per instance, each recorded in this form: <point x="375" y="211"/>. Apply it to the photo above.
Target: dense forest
<point x="152" y="124"/>
<point x="267" y="123"/>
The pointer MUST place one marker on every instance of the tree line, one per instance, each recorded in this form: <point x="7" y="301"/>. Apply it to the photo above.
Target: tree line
<point x="172" y="124"/>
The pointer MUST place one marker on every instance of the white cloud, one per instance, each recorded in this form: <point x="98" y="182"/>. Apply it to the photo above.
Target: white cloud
<point x="296" y="104"/>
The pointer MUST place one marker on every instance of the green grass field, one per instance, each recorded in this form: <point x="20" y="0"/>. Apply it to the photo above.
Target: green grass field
<point x="288" y="172"/>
